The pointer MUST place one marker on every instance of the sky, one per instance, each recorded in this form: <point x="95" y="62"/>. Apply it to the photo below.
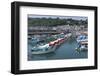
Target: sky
<point x="61" y="17"/>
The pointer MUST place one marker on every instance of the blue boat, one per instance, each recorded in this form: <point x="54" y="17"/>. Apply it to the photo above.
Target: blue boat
<point x="82" y="42"/>
<point x="82" y="38"/>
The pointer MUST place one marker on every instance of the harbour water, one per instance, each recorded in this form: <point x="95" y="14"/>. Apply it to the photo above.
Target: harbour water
<point x="65" y="51"/>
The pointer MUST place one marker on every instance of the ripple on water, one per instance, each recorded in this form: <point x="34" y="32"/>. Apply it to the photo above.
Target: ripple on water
<point x="65" y="51"/>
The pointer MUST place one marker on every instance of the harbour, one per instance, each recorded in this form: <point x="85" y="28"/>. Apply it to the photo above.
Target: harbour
<point x="57" y="37"/>
<point x="64" y="51"/>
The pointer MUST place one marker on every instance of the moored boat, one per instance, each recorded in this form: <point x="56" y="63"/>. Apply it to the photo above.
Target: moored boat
<point x="49" y="47"/>
<point x="82" y="46"/>
<point x="43" y="49"/>
<point x="82" y="41"/>
<point x="82" y="37"/>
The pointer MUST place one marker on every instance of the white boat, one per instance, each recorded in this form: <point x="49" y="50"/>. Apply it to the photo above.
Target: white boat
<point x="43" y="49"/>
<point x="82" y="46"/>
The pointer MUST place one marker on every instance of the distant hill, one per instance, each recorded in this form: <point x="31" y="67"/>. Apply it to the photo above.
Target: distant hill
<point x="55" y="22"/>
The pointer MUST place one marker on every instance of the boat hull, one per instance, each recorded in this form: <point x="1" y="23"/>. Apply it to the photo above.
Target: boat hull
<point x="44" y="52"/>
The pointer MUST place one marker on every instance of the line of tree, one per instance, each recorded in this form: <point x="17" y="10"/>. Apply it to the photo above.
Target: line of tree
<point x="55" y="22"/>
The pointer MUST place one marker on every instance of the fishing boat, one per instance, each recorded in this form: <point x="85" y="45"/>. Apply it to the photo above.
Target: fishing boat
<point x="49" y="47"/>
<point x="82" y="38"/>
<point x="82" y="41"/>
<point x="43" y="49"/>
<point x="82" y="46"/>
<point x="46" y="48"/>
